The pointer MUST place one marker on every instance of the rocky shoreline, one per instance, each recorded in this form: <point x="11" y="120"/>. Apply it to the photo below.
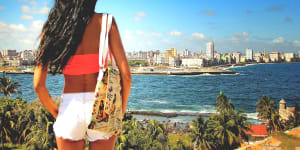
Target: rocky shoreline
<point x="169" y="114"/>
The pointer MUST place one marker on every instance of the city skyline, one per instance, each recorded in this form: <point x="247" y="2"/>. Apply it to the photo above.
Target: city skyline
<point x="150" y="25"/>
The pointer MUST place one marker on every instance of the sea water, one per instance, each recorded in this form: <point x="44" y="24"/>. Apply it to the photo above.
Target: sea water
<point x="196" y="94"/>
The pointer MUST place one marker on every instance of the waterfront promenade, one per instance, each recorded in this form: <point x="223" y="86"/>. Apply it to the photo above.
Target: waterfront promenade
<point x="155" y="71"/>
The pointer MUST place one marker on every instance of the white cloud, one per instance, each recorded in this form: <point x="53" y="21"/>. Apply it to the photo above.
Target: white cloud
<point x="198" y="36"/>
<point x="27" y="9"/>
<point x="174" y="33"/>
<point x="296" y="43"/>
<point x="139" y="16"/>
<point x="19" y="36"/>
<point x="32" y="2"/>
<point x="128" y="35"/>
<point x="278" y="40"/>
<point x="26" y="17"/>
<point x="245" y="34"/>
<point x="166" y="41"/>
<point x="44" y="10"/>
<point x="37" y="25"/>
<point x="18" y="27"/>
<point x="156" y="34"/>
<point x="1" y="7"/>
<point x="139" y="32"/>
<point x="3" y="27"/>
<point x="239" y="37"/>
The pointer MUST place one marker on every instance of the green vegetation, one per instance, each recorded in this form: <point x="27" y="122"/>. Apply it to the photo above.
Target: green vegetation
<point x="136" y="63"/>
<point x="7" y="86"/>
<point x="268" y="112"/>
<point x="30" y="126"/>
<point x="222" y="130"/>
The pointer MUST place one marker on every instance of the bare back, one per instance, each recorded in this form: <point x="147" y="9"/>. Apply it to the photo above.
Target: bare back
<point x="88" y="45"/>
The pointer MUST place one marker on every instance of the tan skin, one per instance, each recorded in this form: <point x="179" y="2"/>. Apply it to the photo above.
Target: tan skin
<point x="86" y="82"/>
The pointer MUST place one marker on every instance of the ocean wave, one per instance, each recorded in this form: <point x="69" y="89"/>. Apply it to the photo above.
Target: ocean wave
<point x="208" y="74"/>
<point x="252" y="115"/>
<point x="158" y="101"/>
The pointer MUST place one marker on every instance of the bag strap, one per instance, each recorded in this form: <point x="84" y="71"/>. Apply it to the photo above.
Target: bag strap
<point x="103" y="43"/>
<point x="107" y="48"/>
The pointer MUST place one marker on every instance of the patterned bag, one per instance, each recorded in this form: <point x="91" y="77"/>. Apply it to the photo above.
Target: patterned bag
<point x="107" y="108"/>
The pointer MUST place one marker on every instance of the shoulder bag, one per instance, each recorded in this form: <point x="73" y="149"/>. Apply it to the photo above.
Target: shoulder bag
<point x="107" y="108"/>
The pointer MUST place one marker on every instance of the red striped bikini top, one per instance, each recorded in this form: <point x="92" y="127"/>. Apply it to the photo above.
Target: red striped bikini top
<point x="83" y="64"/>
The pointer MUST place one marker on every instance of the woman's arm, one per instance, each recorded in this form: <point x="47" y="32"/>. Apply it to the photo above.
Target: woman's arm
<point x="121" y="61"/>
<point x="39" y="85"/>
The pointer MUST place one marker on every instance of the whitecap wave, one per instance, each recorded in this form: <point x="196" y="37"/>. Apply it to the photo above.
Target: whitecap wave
<point x="158" y="101"/>
<point x="252" y="115"/>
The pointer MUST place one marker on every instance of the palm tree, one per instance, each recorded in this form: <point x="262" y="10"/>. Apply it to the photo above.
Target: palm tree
<point x="41" y="135"/>
<point x="7" y="86"/>
<point x="268" y="112"/>
<point x="223" y="128"/>
<point x="6" y="125"/>
<point x="223" y="104"/>
<point x="198" y="133"/>
<point x="241" y="123"/>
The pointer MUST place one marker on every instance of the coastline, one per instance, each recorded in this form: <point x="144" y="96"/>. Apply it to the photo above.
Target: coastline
<point x="154" y="70"/>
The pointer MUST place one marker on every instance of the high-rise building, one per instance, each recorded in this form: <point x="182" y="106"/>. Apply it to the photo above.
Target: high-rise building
<point x="210" y="50"/>
<point x="236" y="56"/>
<point x="9" y="53"/>
<point x="249" y="54"/>
<point x="169" y="53"/>
<point x="265" y="52"/>
<point x="186" y="52"/>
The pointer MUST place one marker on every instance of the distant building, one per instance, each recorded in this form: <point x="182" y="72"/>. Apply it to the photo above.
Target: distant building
<point x="284" y="111"/>
<point x="161" y="59"/>
<point x="229" y="58"/>
<point x="265" y="52"/>
<point x="249" y="54"/>
<point x="27" y="56"/>
<point x="289" y="57"/>
<point x="170" y="53"/>
<point x="258" y="57"/>
<point x="186" y="53"/>
<point x="236" y="56"/>
<point x="275" y="56"/>
<point x="266" y="59"/>
<point x="210" y="50"/>
<point x="243" y="59"/>
<point x="218" y="57"/>
<point x="257" y="132"/>
<point x="9" y="53"/>
<point x="192" y="62"/>
<point x="174" y="61"/>
<point x="128" y="54"/>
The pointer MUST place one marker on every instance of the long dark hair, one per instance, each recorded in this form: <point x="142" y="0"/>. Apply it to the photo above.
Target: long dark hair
<point x="63" y="31"/>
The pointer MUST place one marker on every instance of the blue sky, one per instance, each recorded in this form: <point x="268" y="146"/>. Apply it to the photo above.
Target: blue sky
<point x="233" y="25"/>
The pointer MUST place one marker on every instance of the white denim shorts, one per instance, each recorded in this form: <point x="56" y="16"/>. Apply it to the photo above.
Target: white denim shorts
<point x="74" y="117"/>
